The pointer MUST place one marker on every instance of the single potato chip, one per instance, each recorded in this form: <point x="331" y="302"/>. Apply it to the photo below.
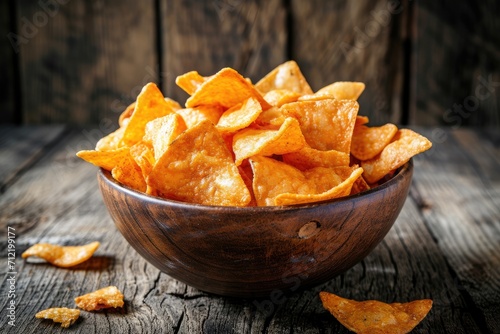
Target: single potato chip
<point x="198" y="168"/>
<point x="404" y="145"/>
<point x="286" y="76"/>
<point x="226" y="88"/>
<point x="279" y="97"/>
<point x="341" y="90"/>
<point x="62" y="256"/>
<point x="372" y="316"/>
<point x="326" y="124"/>
<point x="190" y="81"/>
<point x="66" y="316"/>
<point x="107" y="297"/>
<point x="105" y="159"/>
<point x="150" y="104"/>
<point x="249" y="142"/>
<point x="240" y="116"/>
<point x="367" y="142"/>
<point x="129" y="173"/>
<point x="289" y="185"/>
<point x="193" y="116"/>
<point x="308" y="157"/>
<point x="161" y="131"/>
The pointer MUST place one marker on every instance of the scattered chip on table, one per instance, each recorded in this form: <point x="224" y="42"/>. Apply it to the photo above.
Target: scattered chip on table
<point x="62" y="256"/>
<point x="372" y="316"/>
<point x="108" y="297"/>
<point x="63" y="315"/>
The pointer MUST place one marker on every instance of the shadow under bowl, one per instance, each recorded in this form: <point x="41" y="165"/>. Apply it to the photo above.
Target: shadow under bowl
<point x="253" y="251"/>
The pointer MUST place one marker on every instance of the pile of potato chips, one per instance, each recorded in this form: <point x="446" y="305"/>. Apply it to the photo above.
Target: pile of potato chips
<point x="238" y="144"/>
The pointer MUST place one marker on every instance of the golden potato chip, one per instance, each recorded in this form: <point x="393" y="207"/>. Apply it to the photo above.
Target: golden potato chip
<point x="372" y="316"/>
<point x="341" y="90"/>
<point x="240" y="116"/>
<point x="367" y="142"/>
<point x="308" y="157"/>
<point x="144" y="157"/>
<point x="226" y="88"/>
<point x="103" y="298"/>
<point x="321" y="176"/>
<point x="150" y="104"/>
<point x="62" y="256"/>
<point x="65" y="316"/>
<point x="193" y="116"/>
<point x="105" y="159"/>
<point x="359" y="186"/>
<point x="326" y="124"/>
<point x="360" y="120"/>
<point x="249" y="142"/>
<point x="111" y="141"/>
<point x="404" y="145"/>
<point x="126" y="114"/>
<point x="286" y="76"/>
<point x="197" y="167"/>
<point x="129" y="173"/>
<point x="288" y="185"/>
<point x="279" y="97"/>
<point x="161" y="131"/>
<point x="190" y="81"/>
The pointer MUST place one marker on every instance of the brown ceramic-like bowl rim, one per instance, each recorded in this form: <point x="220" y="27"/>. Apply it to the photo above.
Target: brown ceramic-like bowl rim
<point x="398" y="175"/>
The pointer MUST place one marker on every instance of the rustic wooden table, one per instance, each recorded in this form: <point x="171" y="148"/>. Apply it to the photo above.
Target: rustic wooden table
<point x="445" y="246"/>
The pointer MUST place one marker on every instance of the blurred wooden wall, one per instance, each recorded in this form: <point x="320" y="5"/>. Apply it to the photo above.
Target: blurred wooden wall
<point x="81" y="62"/>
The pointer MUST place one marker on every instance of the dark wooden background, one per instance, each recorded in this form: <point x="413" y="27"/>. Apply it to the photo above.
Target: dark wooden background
<point x="81" y="62"/>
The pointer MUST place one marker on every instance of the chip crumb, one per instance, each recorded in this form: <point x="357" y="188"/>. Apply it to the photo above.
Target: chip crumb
<point x="107" y="297"/>
<point x="63" y="315"/>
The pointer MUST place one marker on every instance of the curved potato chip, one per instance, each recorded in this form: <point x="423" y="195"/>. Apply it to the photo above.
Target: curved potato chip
<point x="144" y="157"/>
<point x="288" y="185"/>
<point x="249" y="142"/>
<point x="193" y="116"/>
<point x="279" y="97"/>
<point x="372" y="316"/>
<point x="126" y="114"/>
<point x="341" y="189"/>
<point x="161" y="131"/>
<point x="129" y="173"/>
<point x="367" y="142"/>
<point x="240" y="116"/>
<point x="62" y="256"/>
<point x="190" y="81"/>
<point x="404" y="145"/>
<point x="100" y="299"/>
<point x="286" y="76"/>
<point x="326" y="124"/>
<point x="308" y="157"/>
<point x="105" y="159"/>
<point x="198" y="168"/>
<point x="341" y="90"/>
<point x="226" y="88"/>
<point x="150" y="104"/>
<point x="111" y="141"/>
<point x="65" y="316"/>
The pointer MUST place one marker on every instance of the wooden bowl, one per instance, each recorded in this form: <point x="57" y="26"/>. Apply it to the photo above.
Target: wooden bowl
<point x="255" y="251"/>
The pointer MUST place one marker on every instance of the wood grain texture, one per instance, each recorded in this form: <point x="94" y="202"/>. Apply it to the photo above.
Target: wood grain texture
<point x="455" y="51"/>
<point x="205" y="36"/>
<point x="353" y="41"/>
<point x="84" y="62"/>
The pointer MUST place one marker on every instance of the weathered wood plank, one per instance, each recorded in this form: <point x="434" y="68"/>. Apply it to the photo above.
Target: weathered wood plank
<point x="84" y="62"/>
<point x="458" y="185"/>
<point x="456" y="64"/>
<point x="20" y="147"/>
<point x="249" y="36"/>
<point x="57" y="200"/>
<point x="8" y="84"/>
<point x="353" y="41"/>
